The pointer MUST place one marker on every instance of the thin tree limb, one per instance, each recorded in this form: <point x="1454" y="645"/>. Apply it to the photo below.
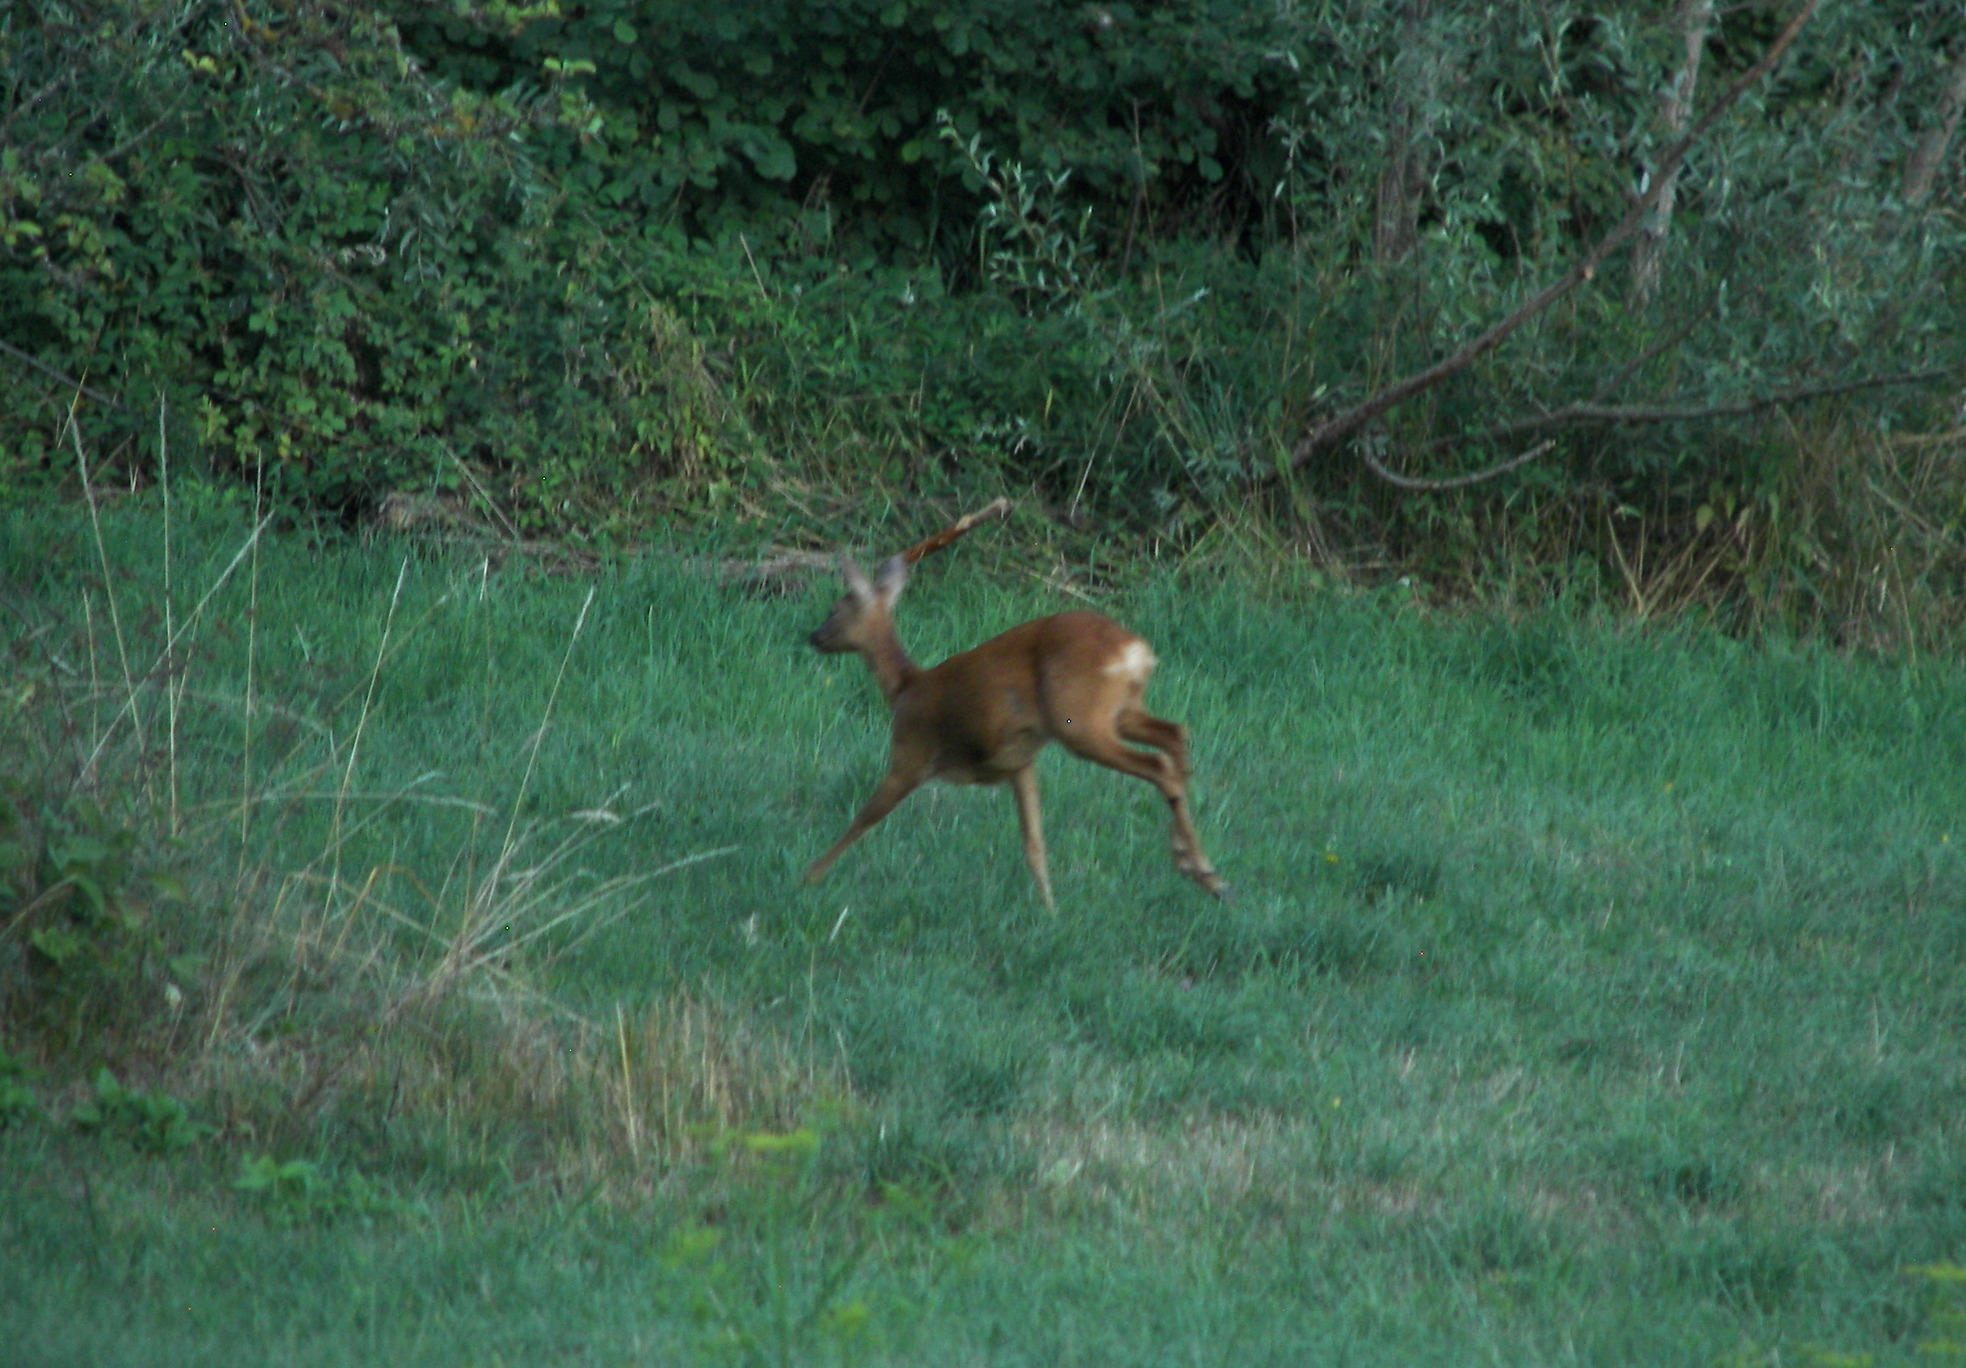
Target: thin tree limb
<point x="27" y="102"/>
<point x="996" y="508"/>
<point x="68" y="382"/>
<point x="1414" y="482"/>
<point x="1643" y="359"/>
<point x="1615" y="414"/>
<point x="1336" y="429"/>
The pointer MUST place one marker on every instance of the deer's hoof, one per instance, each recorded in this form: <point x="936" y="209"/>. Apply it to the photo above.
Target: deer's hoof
<point x="1217" y="885"/>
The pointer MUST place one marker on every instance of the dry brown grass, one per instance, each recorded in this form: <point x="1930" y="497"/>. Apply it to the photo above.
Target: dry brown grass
<point x="298" y="993"/>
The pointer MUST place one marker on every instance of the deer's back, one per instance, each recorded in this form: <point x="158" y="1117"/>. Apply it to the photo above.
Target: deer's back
<point x="990" y="709"/>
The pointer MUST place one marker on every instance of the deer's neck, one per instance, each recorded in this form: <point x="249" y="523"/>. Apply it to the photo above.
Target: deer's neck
<point x="893" y="671"/>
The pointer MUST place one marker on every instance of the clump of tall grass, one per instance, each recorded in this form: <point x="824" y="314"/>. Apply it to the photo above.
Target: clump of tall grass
<point x="193" y="892"/>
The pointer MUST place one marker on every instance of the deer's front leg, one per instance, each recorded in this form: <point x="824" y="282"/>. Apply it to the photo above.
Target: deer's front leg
<point x="1024" y="783"/>
<point x="898" y="784"/>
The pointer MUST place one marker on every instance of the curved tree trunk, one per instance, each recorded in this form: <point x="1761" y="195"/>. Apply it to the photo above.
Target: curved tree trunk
<point x="1695" y="18"/>
<point x="1929" y="153"/>
<point x="1396" y="203"/>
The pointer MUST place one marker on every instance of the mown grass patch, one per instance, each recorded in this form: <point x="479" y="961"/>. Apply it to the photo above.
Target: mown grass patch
<point x="1593" y="991"/>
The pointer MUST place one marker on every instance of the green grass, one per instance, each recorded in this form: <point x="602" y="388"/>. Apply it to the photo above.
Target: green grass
<point x="1593" y="994"/>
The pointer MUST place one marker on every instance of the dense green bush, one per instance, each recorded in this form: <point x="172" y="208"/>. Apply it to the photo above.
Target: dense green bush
<point x="315" y="263"/>
<point x="824" y="112"/>
<point x="588" y="266"/>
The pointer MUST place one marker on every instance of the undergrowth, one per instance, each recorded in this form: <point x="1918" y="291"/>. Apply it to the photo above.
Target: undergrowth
<point x="188" y="902"/>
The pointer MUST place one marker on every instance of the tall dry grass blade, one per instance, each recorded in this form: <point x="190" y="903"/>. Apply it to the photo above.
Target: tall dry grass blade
<point x="512" y="912"/>
<point x="108" y="585"/>
<point x="335" y="839"/>
<point x="599" y="924"/>
<point x="97" y="739"/>
<point x="173" y="687"/>
<point x="628" y="1111"/>
<point x="482" y="899"/>
<point x="191" y="620"/>
<point x="546" y="717"/>
<point x="252" y="662"/>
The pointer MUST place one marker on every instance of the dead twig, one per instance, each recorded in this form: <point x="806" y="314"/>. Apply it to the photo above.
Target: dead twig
<point x="992" y="511"/>
<point x="781" y="570"/>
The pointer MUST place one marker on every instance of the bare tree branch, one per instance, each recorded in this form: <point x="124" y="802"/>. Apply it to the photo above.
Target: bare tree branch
<point x="54" y="374"/>
<point x="1336" y="429"/>
<point x="995" y="509"/>
<point x="1580" y="414"/>
<point x="1457" y="481"/>
<point x="1613" y="414"/>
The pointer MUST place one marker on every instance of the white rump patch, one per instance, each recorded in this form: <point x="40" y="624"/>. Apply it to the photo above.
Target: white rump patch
<point x="1136" y="662"/>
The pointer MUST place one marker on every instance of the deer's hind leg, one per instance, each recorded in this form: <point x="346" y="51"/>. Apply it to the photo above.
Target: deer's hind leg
<point x="1141" y="727"/>
<point x="1166" y="771"/>
<point x="1138" y="725"/>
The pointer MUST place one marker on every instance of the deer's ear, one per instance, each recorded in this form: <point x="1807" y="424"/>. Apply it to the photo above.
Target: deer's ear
<point x="893" y="575"/>
<point x="856" y="582"/>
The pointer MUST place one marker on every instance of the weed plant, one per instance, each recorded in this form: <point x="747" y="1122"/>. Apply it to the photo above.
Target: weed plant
<point x="1594" y="992"/>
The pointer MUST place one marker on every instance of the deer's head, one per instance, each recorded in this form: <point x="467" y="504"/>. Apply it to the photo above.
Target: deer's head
<point x="865" y="613"/>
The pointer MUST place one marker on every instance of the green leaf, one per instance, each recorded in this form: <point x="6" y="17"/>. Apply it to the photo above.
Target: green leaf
<point x="257" y="1174"/>
<point x="85" y="851"/>
<point x="58" y="943"/>
<point x="697" y="83"/>
<point x="773" y="159"/>
<point x="803" y="1141"/>
<point x="92" y="891"/>
<point x="168" y="887"/>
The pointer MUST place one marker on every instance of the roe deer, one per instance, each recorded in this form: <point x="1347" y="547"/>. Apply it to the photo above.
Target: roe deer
<point x="982" y="717"/>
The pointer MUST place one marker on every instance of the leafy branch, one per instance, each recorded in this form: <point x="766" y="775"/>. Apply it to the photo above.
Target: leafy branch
<point x="1336" y="429"/>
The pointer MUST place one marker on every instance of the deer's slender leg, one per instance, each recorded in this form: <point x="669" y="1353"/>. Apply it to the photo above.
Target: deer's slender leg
<point x="1024" y="784"/>
<point x="1163" y="772"/>
<point x="1140" y="726"/>
<point x="898" y="784"/>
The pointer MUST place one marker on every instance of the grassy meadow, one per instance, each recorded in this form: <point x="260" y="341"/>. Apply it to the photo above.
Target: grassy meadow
<point x="1595" y="992"/>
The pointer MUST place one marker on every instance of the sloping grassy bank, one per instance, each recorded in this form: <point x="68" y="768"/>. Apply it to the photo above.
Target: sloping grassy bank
<point x="1593" y="994"/>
